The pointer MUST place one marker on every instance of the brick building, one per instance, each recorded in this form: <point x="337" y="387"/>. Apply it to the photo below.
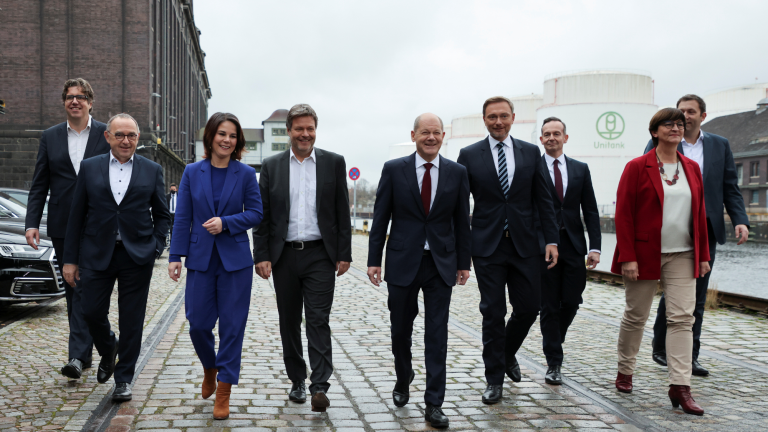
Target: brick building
<point x="747" y="133"/>
<point x="141" y="57"/>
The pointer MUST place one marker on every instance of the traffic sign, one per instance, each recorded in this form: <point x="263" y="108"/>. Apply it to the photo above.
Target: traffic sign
<point x="354" y="174"/>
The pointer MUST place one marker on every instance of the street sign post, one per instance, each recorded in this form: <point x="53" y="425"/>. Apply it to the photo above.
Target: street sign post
<point x="354" y="174"/>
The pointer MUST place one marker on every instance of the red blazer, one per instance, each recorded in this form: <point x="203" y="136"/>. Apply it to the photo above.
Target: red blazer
<point x="639" y="213"/>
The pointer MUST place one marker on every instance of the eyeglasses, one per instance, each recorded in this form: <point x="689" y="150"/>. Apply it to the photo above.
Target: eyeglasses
<point x="132" y="137"/>
<point x="80" y="98"/>
<point x="671" y="125"/>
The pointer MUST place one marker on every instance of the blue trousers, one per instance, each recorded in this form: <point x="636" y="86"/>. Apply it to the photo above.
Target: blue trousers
<point x="217" y="294"/>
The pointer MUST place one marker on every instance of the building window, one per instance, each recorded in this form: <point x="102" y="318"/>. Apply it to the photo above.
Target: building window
<point x="280" y="146"/>
<point x="754" y="169"/>
<point x="279" y="132"/>
<point x="755" y="197"/>
<point x="251" y="145"/>
<point x="740" y="173"/>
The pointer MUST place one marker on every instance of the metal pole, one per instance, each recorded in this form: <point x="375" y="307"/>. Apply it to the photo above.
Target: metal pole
<point x="354" y="206"/>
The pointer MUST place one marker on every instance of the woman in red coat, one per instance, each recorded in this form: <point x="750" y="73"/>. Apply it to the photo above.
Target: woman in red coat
<point x="661" y="234"/>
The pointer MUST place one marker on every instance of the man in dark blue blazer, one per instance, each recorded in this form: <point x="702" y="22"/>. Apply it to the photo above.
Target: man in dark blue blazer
<point x="721" y="188"/>
<point x="570" y="184"/>
<point x="427" y="199"/>
<point x="508" y="181"/>
<point x="62" y="148"/>
<point x="116" y="230"/>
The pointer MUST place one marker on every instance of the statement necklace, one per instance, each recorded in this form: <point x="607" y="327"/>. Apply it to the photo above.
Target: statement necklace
<point x="664" y="175"/>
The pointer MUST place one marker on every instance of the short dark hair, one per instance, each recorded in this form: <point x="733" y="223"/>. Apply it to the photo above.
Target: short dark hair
<point x="661" y="116"/>
<point x="299" y="110"/>
<point x="172" y="185"/>
<point x="496" y="99"/>
<point x="85" y="87"/>
<point x="693" y="97"/>
<point x="213" y="126"/>
<point x="552" y="119"/>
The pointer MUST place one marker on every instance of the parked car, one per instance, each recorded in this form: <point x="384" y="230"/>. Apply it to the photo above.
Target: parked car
<point x="26" y="274"/>
<point x="22" y="196"/>
<point x="14" y="204"/>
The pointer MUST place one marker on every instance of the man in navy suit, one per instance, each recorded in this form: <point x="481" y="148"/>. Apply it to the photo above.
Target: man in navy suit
<point x="116" y="230"/>
<point x="508" y="181"/>
<point x="62" y="148"/>
<point x="570" y="184"/>
<point x="721" y="188"/>
<point x="427" y="199"/>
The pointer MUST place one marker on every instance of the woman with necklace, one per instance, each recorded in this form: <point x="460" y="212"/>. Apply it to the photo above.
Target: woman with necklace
<point x="661" y="235"/>
<point x="219" y="201"/>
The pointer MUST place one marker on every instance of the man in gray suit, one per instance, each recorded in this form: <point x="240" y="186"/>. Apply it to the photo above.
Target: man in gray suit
<point x="721" y="188"/>
<point x="306" y="237"/>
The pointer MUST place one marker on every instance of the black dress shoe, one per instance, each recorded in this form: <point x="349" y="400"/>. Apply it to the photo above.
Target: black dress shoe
<point x="513" y="370"/>
<point x="320" y="401"/>
<point x="298" y="392"/>
<point x="87" y="364"/>
<point x="122" y="392"/>
<point x="554" y="376"/>
<point x="107" y="365"/>
<point x="402" y="391"/>
<point x="492" y="394"/>
<point x="434" y="415"/>
<point x="73" y="369"/>
<point x="660" y="357"/>
<point x="697" y="369"/>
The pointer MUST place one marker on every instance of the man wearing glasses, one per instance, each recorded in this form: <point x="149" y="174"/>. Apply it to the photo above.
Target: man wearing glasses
<point x="62" y="148"/>
<point x="121" y="195"/>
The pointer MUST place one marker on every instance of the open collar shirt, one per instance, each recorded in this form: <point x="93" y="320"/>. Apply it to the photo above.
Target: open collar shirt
<point x="77" y="141"/>
<point x="302" y="221"/>
<point x="119" y="178"/>
<point x="695" y="151"/>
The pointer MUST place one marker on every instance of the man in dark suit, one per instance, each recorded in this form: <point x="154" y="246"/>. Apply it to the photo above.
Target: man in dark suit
<point x="570" y="184"/>
<point x="62" y="148"/>
<point x="427" y="198"/>
<point x="508" y="181"/>
<point x="306" y="236"/>
<point x="721" y="188"/>
<point x="171" y="198"/>
<point x="116" y="230"/>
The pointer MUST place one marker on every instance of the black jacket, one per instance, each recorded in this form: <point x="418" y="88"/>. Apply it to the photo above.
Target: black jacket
<point x="142" y="216"/>
<point x="54" y="172"/>
<point x="579" y="198"/>
<point x="529" y="190"/>
<point x="721" y="184"/>
<point x="332" y="203"/>
<point x="446" y="228"/>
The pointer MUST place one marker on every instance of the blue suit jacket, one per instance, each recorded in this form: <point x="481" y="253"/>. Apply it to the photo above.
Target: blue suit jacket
<point x="721" y="184"/>
<point x="239" y="206"/>
<point x="446" y="228"/>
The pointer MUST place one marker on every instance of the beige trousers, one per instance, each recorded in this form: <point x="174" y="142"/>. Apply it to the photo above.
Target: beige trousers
<point x="679" y="287"/>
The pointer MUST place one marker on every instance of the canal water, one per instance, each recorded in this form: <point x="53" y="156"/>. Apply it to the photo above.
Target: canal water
<point x="738" y="269"/>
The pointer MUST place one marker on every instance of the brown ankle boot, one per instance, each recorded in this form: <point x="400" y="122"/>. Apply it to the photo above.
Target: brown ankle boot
<point x="681" y="395"/>
<point x="209" y="382"/>
<point x="221" y="407"/>
<point x="624" y="383"/>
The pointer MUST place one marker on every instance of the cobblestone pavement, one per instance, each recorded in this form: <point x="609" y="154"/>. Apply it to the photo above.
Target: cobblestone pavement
<point x="34" y="396"/>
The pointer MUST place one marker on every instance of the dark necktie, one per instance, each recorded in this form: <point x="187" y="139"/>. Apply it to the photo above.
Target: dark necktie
<point x="426" y="188"/>
<point x="503" y="176"/>
<point x="558" y="180"/>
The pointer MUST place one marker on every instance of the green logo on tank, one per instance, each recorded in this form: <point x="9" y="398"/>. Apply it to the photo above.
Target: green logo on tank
<point x="610" y="125"/>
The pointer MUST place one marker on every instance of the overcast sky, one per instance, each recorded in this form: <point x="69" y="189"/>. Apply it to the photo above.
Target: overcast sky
<point x="370" y="67"/>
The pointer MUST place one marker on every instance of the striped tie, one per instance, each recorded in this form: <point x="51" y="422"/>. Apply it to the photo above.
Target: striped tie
<point x="503" y="176"/>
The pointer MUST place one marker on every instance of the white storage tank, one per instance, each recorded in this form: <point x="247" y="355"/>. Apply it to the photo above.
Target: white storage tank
<point x="735" y="100"/>
<point x="607" y="115"/>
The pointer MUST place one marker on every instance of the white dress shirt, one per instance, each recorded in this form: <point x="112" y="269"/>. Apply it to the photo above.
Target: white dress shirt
<point x="434" y="173"/>
<point x="172" y="207"/>
<point x="695" y="151"/>
<point x="507" y="151"/>
<point x="302" y="221"/>
<point x="119" y="178"/>
<point x="561" y="166"/>
<point x="77" y="143"/>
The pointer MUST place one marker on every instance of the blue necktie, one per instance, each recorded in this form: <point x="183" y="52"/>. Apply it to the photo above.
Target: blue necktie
<point x="503" y="176"/>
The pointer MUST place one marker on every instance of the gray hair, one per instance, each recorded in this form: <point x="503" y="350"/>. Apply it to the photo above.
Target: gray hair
<point x="418" y="119"/>
<point x="300" y="110"/>
<point x="122" y="116"/>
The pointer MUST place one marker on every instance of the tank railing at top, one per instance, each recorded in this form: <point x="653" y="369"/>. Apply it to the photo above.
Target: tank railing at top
<point x="596" y="71"/>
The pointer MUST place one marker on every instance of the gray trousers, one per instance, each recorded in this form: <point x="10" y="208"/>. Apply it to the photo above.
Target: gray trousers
<point x="305" y="279"/>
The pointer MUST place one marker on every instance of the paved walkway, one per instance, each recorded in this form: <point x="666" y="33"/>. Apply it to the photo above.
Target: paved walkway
<point x="34" y="396"/>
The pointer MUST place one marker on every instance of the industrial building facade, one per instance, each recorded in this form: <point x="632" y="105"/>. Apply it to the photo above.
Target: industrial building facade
<point x="141" y="57"/>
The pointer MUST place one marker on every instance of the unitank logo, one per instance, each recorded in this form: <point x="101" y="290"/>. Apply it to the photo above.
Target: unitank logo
<point x="610" y="125"/>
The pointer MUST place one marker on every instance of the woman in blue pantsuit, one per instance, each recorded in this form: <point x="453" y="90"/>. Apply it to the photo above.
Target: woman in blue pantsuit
<point x="218" y="202"/>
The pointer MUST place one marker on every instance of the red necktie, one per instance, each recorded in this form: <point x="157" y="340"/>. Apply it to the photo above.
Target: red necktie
<point x="558" y="180"/>
<point x="426" y="188"/>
